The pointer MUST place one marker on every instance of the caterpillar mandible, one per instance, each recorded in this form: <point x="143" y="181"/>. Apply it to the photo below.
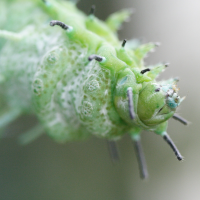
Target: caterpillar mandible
<point x="74" y="74"/>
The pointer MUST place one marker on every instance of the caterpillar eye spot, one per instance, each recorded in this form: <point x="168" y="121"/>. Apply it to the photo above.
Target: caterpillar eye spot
<point x="157" y="89"/>
<point x="177" y="99"/>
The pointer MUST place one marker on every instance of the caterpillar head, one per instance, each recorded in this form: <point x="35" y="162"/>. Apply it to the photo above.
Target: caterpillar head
<point x="157" y="103"/>
<point x="146" y="104"/>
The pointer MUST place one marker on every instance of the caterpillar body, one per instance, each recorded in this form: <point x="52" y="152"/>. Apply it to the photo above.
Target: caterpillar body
<point x="78" y="78"/>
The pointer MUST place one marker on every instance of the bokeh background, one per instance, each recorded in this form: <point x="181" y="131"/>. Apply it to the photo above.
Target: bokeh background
<point x="45" y="170"/>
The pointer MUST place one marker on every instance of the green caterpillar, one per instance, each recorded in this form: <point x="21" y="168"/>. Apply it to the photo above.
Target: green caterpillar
<point x="78" y="78"/>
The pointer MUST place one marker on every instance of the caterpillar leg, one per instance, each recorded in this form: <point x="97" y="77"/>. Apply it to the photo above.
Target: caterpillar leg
<point x="113" y="150"/>
<point x="161" y="130"/>
<point x="130" y="103"/>
<point x="172" y="145"/>
<point x="135" y="135"/>
<point x="180" y="119"/>
<point x="31" y="135"/>
<point x="8" y="117"/>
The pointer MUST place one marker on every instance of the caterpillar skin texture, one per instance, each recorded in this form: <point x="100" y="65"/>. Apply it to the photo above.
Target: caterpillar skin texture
<point x="77" y="77"/>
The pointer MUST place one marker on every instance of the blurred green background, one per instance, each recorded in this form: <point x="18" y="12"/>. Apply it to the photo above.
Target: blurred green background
<point x="45" y="170"/>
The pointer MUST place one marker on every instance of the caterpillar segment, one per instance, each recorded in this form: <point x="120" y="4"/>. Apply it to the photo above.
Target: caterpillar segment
<point x="79" y="79"/>
<point x="113" y="150"/>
